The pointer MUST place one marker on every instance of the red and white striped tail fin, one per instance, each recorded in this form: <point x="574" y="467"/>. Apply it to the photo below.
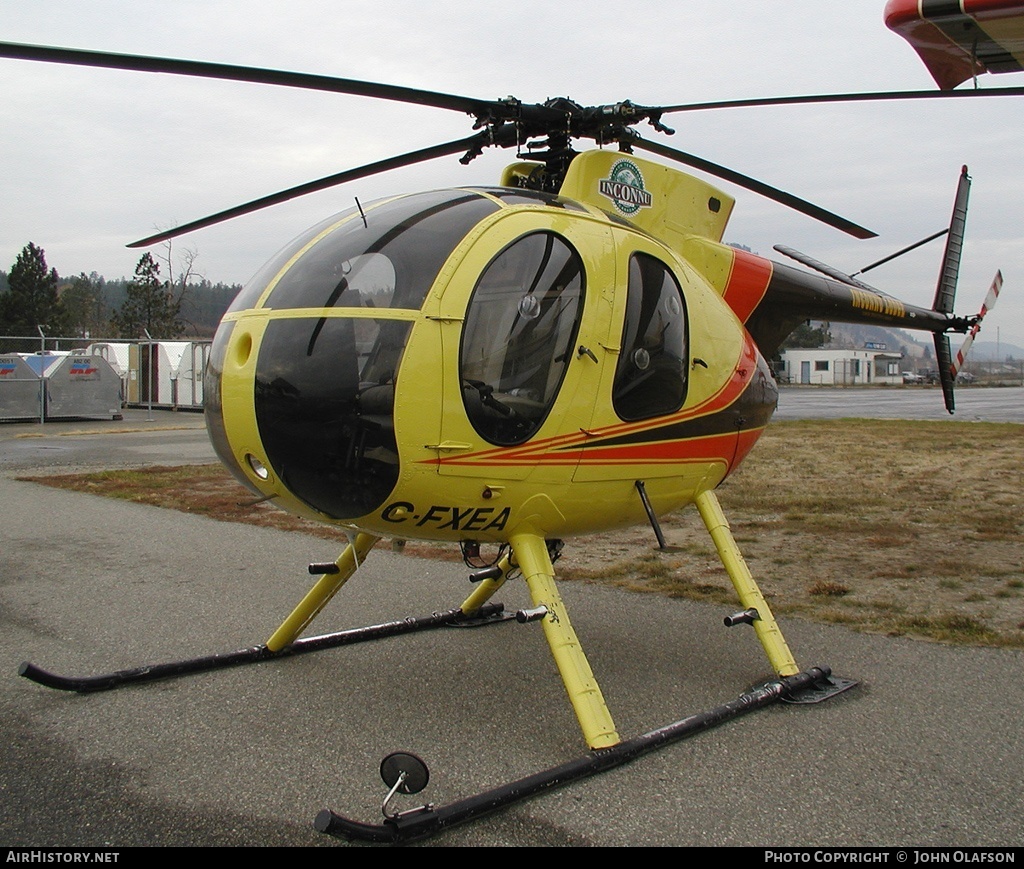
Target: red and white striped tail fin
<point x="988" y="305"/>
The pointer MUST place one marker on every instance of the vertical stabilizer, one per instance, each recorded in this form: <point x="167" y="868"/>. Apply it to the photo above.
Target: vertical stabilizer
<point x="945" y="291"/>
<point x="944" y="359"/>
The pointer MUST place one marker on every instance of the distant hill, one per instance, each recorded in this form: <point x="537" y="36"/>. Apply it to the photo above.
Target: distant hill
<point x="992" y="351"/>
<point x="916" y="346"/>
<point x="857" y="336"/>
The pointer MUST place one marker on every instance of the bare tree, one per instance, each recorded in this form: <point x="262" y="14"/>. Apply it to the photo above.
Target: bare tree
<point x="181" y="273"/>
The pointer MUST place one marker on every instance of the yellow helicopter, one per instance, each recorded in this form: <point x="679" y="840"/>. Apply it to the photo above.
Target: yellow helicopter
<point x="572" y="350"/>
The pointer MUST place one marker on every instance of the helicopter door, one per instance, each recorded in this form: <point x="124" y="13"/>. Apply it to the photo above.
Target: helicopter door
<point x="518" y="340"/>
<point x="650" y="381"/>
<point x="650" y="376"/>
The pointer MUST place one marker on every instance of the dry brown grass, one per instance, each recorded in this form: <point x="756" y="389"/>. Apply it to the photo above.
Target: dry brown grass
<point x="207" y="490"/>
<point x="901" y="527"/>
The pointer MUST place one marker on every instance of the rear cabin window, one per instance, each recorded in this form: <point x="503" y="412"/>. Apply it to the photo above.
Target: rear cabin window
<point x="521" y="325"/>
<point x="650" y="377"/>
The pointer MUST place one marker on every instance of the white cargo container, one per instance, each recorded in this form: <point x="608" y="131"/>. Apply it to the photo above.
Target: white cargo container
<point x="20" y="388"/>
<point x="58" y="386"/>
<point x="177" y="375"/>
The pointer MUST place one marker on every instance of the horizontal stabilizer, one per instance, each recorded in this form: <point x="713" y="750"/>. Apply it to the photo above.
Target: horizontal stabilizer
<point x="824" y="268"/>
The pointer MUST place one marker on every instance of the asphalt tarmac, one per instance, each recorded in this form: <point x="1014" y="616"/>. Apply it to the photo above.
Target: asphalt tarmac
<point x="974" y="404"/>
<point x="925" y="752"/>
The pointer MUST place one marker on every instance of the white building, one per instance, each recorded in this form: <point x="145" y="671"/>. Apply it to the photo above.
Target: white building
<point x="840" y="367"/>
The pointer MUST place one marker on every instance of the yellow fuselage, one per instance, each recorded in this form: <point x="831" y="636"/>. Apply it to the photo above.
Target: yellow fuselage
<point x="455" y="366"/>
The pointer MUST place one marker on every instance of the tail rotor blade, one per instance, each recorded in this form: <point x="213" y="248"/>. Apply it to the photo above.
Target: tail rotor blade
<point x="988" y="305"/>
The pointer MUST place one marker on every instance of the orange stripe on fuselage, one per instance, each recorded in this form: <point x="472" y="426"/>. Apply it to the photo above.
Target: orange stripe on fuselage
<point x="747" y="284"/>
<point x="675" y="452"/>
<point x="568" y="448"/>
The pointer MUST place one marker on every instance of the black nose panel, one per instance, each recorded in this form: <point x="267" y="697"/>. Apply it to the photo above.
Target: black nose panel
<point x="328" y="433"/>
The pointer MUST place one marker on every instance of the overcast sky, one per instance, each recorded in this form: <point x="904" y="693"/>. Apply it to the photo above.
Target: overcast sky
<point x="92" y="159"/>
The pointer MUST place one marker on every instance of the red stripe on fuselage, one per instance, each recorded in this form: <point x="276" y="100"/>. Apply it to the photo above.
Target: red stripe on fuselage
<point x="747" y="284"/>
<point x="674" y="452"/>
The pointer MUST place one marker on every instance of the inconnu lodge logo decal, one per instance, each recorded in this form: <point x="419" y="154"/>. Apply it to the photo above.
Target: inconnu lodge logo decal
<point x="625" y="187"/>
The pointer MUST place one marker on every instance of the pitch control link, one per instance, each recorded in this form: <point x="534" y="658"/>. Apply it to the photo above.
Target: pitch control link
<point x="427" y="820"/>
<point x="258" y="654"/>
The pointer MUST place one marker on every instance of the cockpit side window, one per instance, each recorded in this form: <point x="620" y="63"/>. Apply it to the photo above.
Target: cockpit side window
<point x="521" y="325"/>
<point x="650" y="376"/>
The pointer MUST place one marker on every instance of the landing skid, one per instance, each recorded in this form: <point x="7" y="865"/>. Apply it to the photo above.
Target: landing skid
<point x="428" y="820"/>
<point x="487" y="614"/>
<point x="531" y="556"/>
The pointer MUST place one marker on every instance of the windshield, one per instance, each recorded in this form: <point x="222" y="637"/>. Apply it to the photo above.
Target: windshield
<point x="388" y="261"/>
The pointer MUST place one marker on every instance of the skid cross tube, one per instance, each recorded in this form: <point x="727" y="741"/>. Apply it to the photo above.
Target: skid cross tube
<point x="428" y="820"/>
<point x="253" y="655"/>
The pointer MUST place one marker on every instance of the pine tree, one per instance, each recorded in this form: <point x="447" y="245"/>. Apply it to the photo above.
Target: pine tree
<point x="804" y="336"/>
<point x="84" y="305"/>
<point x="149" y="306"/>
<point x="32" y="299"/>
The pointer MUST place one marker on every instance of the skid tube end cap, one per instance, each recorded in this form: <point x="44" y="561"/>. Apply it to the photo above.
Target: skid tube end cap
<point x="333" y="824"/>
<point x="322" y="821"/>
<point x="824" y="688"/>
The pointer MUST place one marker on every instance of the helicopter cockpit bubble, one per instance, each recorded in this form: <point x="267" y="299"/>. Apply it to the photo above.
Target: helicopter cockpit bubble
<point x="323" y="383"/>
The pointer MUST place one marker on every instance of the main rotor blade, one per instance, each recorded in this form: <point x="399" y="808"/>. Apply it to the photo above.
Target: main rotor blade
<point x="321" y="184"/>
<point x="230" y="72"/>
<point x="880" y="96"/>
<point x="773" y="193"/>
